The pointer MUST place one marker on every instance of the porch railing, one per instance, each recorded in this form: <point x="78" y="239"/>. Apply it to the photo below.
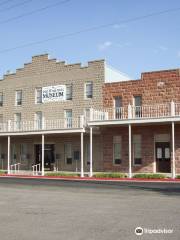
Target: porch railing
<point x="136" y="112"/>
<point x="15" y="168"/>
<point x="36" y="169"/>
<point x="44" y="124"/>
<point x="151" y="111"/>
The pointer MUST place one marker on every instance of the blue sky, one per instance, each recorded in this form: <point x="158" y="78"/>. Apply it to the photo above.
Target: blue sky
<point x="134" y="47"/>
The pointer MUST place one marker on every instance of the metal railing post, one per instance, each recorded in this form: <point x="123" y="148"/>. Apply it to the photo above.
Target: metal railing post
<point x="91" y="114"/>
<point x="43" y="123"/>
<point x="172" y="108"/>
<point x="129" y="111"/>
<point x="9" y="125"/>
<point x="81" y="121"/>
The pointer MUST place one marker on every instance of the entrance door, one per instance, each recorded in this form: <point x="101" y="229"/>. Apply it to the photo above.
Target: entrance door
<point x="163" y="158"/>
<point x="48" y="155"/>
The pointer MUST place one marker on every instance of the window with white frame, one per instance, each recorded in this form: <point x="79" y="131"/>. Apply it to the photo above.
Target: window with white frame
<point x="137" y="150"/>
<point x="13" y="153"/>
<point x="69" y="92"/>
<point x="87" y="153"/>
<point x="87" y="114"/>
<point x="18" y="98"/>
<point x="68" y="153"/>
<point x="118" y="107"/>
<point x="1" y="157"/>
<point x="38" y="95"/>
<point x="137" y="105"/>
<point x="68" y="118"/>
<point x="24" y="151"/>
<point x="88" y="90"/>
<point x="39" y="118"/>
<point x="1" y="121"/>
<point x="117" y="150"/>
<point x="17" y="119"/>
<point x="1" y="99"/>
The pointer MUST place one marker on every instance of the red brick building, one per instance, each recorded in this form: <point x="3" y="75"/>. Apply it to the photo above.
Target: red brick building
<point x="139" y="124"/>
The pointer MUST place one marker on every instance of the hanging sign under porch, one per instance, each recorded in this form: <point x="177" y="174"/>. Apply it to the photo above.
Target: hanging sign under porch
<point x="53" y="93"/>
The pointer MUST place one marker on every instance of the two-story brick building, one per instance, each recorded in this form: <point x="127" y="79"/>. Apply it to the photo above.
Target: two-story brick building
<point x="45" y="107"/>
<point x="68" y="117"/>
<point x="139" y="124"/>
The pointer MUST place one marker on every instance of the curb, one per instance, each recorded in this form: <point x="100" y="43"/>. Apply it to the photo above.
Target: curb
<point x="92" y="179"/>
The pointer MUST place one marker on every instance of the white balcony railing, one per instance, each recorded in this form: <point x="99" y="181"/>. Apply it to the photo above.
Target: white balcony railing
<point x="136" y="112"/>
<point x="54" y="124"/>
<point x="152" y="111"/>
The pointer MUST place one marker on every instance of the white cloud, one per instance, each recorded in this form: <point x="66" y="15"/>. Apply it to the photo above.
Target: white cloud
<point x="116" y="26"/>
<point x="104" y="45"/>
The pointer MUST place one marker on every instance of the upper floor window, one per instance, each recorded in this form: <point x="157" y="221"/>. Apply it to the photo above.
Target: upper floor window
<point x="1" y="121"/>
<point x="87" y="113"/>
<point x="69" y="92"/>
<point x="137" y="101"/>
<point x="1" y="99"/>
<point x="39" y="119"/>
<point x="18" y="97"/>
<point x="68" y="118"/>
<point x="38" y="95"/>
<point x="118" y="107"/>
<point x="1" y="118"/>
<point x="137" y="105"/>
<point x="17" y="119"/>
<point x="88" y="90"/>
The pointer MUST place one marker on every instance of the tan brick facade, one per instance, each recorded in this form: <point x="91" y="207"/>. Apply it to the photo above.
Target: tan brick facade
<point x="48" y="72"/>
<point x="42" y="72"/>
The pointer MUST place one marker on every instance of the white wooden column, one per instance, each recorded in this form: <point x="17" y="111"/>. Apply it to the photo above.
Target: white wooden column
<point x="91" y="152"/>
<point x="173" y="153"/>
<point x="130" y="153"/>
<point x="9" y="154"/>
<point x="42" y="167"/>
<point x="82" y="159"/>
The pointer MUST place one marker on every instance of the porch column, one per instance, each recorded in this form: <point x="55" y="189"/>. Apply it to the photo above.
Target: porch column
<point x="42" y="167"/>
<point x="130" y="153"/>
<point x="9" y="153"/>
<point x="173" y="153"/>
<point x="91" y="168"/>
<point x="82" y="160"/>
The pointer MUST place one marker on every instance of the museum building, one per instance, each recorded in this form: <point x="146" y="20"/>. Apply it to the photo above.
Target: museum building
<point x="88" y="118"/>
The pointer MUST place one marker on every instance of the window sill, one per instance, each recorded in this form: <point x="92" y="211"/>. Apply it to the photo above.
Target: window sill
<point x="117" y="164"/>
<point x="137" y="165"/>
<point x="88" y="98"/>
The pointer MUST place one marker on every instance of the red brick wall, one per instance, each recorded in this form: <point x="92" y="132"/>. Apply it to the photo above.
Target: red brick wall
<point x="148" y="152"/>
<point x="154" y="87"/>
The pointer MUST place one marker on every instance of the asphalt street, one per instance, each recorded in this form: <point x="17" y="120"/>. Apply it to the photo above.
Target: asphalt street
<point x="66" y="210"/>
